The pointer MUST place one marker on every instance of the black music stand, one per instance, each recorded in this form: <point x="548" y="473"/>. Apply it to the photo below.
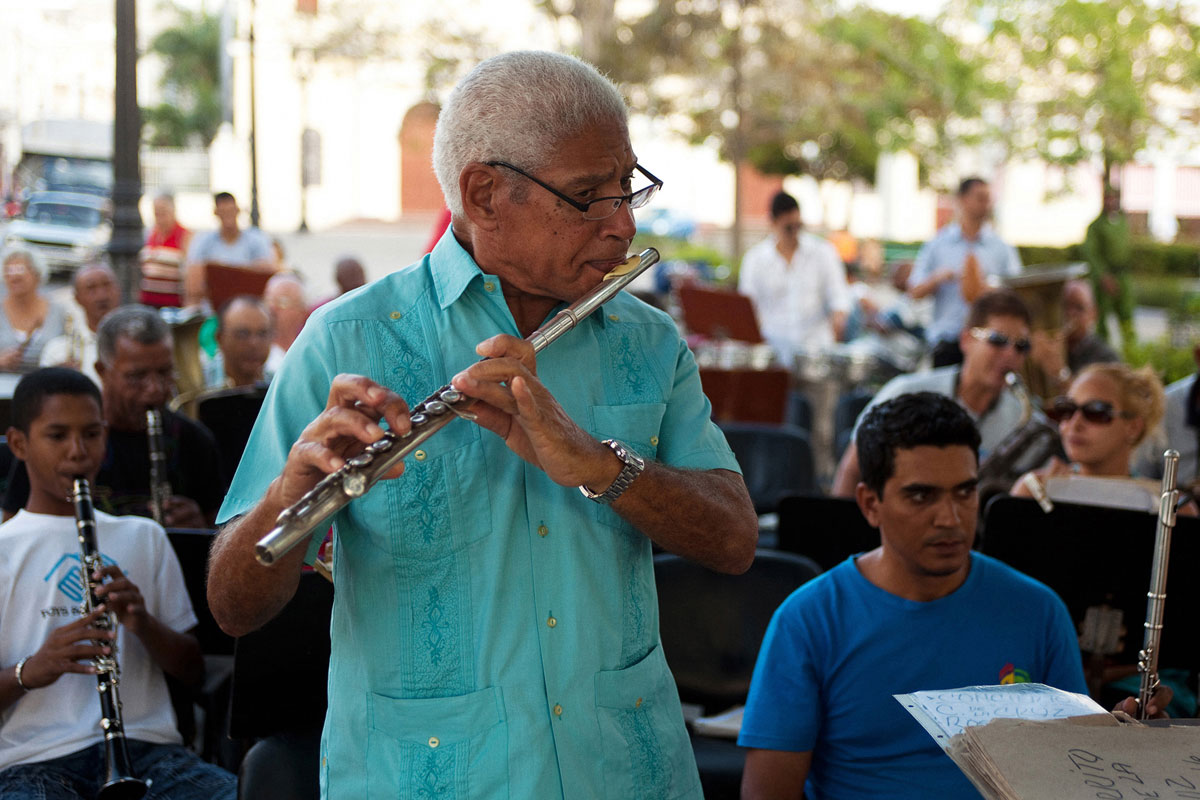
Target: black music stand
<point x="826" y="529"/>
<point x="1092" y="556"/>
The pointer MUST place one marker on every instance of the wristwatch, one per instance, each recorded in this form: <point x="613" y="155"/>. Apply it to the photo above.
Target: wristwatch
<point x="634" y="464"/>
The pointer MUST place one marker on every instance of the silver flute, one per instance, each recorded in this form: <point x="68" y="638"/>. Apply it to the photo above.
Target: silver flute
<point x="119" y="782"/>
<point x="1156" y="598"/>
<point x="360" y="473"/>
<point x="160" y="487"/>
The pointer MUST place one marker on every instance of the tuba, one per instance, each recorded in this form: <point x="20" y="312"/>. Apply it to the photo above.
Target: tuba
<point x="119" y="783"/>
<point x="1030" y="444"/>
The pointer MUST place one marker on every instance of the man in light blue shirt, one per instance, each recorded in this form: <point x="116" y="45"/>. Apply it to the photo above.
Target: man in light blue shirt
<point x="957" y="266"/>
<point x="495" y="627"/>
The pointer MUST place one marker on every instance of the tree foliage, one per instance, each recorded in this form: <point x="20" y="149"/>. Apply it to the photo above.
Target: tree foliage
<point x="190" y="82"/>
<point x="1096" y="79"/>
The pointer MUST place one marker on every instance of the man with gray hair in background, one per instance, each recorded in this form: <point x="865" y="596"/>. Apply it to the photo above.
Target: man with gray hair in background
<point x="495" y="629"/>
<point x="136" y="365"/>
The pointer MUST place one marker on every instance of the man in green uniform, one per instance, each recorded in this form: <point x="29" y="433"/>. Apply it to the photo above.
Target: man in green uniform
<point x="1108" y="248"/>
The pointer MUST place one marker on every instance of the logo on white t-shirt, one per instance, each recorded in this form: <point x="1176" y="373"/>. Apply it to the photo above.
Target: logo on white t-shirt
<point x="67" y="576"/>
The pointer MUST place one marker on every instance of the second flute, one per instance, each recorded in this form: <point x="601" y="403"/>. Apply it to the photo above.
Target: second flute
<point x="295" y="523"/>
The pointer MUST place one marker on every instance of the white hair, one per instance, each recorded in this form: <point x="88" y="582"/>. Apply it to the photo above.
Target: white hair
<point x="518" y="107"/>
<point x="31" y="257"/>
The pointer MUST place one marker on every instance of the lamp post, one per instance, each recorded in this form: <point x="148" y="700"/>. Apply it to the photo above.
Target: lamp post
<point x="254" y="218"/>
<point x="126" y="238"/>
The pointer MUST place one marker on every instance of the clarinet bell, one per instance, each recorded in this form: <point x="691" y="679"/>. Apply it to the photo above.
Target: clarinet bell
<point x="123" y="787"/>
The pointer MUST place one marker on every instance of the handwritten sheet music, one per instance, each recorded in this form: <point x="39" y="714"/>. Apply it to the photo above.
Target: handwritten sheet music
<point x="945" y="713"/>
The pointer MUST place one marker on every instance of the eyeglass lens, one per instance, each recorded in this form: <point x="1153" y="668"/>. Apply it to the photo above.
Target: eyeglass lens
<point x="997" y="339"/>
<point x="1099" y="412"/>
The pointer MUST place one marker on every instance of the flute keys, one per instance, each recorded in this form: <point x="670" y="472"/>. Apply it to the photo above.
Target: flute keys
<point x="380" y="446"/>
<point x="361" y="460"/>
<point x="418" y="419"/>
<point x="451" y="396"/>
<point x="436" y="407"/>
<point x="354" y="484"/>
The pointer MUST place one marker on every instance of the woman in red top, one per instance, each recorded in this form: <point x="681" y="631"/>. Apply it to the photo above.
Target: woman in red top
<point x="163" y="257"/>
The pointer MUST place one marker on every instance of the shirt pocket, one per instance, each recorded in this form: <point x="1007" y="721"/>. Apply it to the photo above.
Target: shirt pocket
<point x="644" y="743"/>
<point x="451" y="748"/>
<point x="635" y="425"/>
<point x="440" y="504"/>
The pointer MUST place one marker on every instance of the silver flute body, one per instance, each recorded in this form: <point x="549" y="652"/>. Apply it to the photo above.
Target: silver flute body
<point x="295" y="523"/>
<point x="1156" y="598"/>
<point x="119" y="782"/>
<point x="160" y="488"/>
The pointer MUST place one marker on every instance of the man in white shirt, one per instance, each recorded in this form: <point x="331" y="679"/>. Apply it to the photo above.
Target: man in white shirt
<point x="797" y="283"/>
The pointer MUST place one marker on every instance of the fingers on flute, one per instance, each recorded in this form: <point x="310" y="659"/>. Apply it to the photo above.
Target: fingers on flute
<point x="506" y="346"/>
<point x="369" y="398"/>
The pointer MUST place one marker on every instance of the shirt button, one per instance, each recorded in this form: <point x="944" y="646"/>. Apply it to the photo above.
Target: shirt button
<point x="543" y="530"/>
<point x="433" y="741"/>
<point x="419" y="455"/>
<point x="654" y="441"/>
<point x="557" y="710"/>
<point x="551" y="622"/>
<point x="489" y="286"/>
<point x="395" y="315"/>
<point x="614" y="318"/>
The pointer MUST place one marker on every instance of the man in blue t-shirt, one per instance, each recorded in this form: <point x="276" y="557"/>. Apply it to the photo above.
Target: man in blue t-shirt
<point x="919" y="612"/>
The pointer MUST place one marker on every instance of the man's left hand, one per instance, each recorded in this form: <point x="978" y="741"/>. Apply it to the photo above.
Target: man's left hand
<point x="1157" y="707"/>
<point x="183" y="512"/>
<point x="517" y="407"/>
<point x="122" y="597"/>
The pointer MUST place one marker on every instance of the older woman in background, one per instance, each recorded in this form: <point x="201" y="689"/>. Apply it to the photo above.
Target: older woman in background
<point x="30" y="319"/>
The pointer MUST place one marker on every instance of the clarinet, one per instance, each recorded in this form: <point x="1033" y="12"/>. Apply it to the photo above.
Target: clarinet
<point x="119" y="783"/>
<point x="1156" y="598"/>
<point x="337" y="489"/>
<point x="160" y="487"/>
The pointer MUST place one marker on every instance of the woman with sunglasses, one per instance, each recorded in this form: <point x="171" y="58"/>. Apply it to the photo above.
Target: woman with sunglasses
<point x="1107" y="412"/>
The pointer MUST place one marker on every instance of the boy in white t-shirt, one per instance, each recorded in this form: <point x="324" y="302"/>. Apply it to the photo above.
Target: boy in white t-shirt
<point x="51" y="743"/>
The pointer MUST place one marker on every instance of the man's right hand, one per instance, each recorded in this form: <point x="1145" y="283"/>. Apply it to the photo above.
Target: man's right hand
<point x="65" y="649"/>
<point x="348" y="424"/>
<point x="1110" y="285"/>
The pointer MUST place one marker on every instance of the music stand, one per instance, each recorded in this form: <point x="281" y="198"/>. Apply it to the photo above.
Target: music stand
<point x="719" y="314"/>
<point x="1095" y="556"/>
<point x="225" y="282"/>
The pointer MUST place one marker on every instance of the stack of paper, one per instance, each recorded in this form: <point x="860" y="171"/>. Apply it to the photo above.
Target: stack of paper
<point x="1025" y="742"/>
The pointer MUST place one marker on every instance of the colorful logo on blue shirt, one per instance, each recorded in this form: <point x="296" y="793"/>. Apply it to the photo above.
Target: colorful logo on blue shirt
<point x="67" y="576"/>
<point x="1011" y="674"/>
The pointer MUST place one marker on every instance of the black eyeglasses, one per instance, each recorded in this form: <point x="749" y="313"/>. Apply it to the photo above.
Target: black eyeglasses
<point x="601" y="207"/>
<point x="998" y="339"/>
<point x="1098" y="412"/>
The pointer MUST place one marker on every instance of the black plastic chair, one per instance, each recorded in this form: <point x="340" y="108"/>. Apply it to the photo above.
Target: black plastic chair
<point x="845" y="414"/>
<point x="712" y="626"/>
<point x="799" y="410"/>
<point x="1095" y="556"/>
<point x="230" y="415"/>
<point x="279" y="696"/>
<point x="776" y="461"/>
<point x="826" y="529"/>
<point x="191" y="546"/>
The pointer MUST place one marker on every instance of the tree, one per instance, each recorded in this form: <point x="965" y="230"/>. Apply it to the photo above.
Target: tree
<point x="190" y="81"/>
<point x="1098" y="79"/>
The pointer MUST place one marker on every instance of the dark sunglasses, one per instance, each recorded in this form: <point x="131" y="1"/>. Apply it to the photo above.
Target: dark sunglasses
<point x="1099" y="412"/>
<point x="998" y="339"/>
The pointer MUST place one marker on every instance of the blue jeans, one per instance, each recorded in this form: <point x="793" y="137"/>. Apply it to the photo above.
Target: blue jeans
<point x="174" y="772"/>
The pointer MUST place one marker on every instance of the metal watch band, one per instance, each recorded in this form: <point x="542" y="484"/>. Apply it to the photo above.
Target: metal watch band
<point x="633" y="466"/>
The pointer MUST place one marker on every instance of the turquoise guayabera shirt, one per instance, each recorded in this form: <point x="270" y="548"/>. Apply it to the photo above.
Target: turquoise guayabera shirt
<point x="948" y="250"/>
<point x="495" y="635"/>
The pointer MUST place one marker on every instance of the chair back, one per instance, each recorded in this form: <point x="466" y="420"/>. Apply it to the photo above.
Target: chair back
<point x="776" y="461"/>
<point x="1094" y="556"/>
<point x="826" y="529"/>
<point x="845" y="414"/>
<point x="280" y="670"/>
<point x="191" y="547"/>
<point x="230" y="415"/>
<point x="713" y="624"/>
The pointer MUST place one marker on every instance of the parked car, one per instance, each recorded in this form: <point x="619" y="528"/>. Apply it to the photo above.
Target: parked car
<point x="67" y="229"/>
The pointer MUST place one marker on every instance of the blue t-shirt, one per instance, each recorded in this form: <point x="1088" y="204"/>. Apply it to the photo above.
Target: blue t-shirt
<point x="840" y="647"/>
